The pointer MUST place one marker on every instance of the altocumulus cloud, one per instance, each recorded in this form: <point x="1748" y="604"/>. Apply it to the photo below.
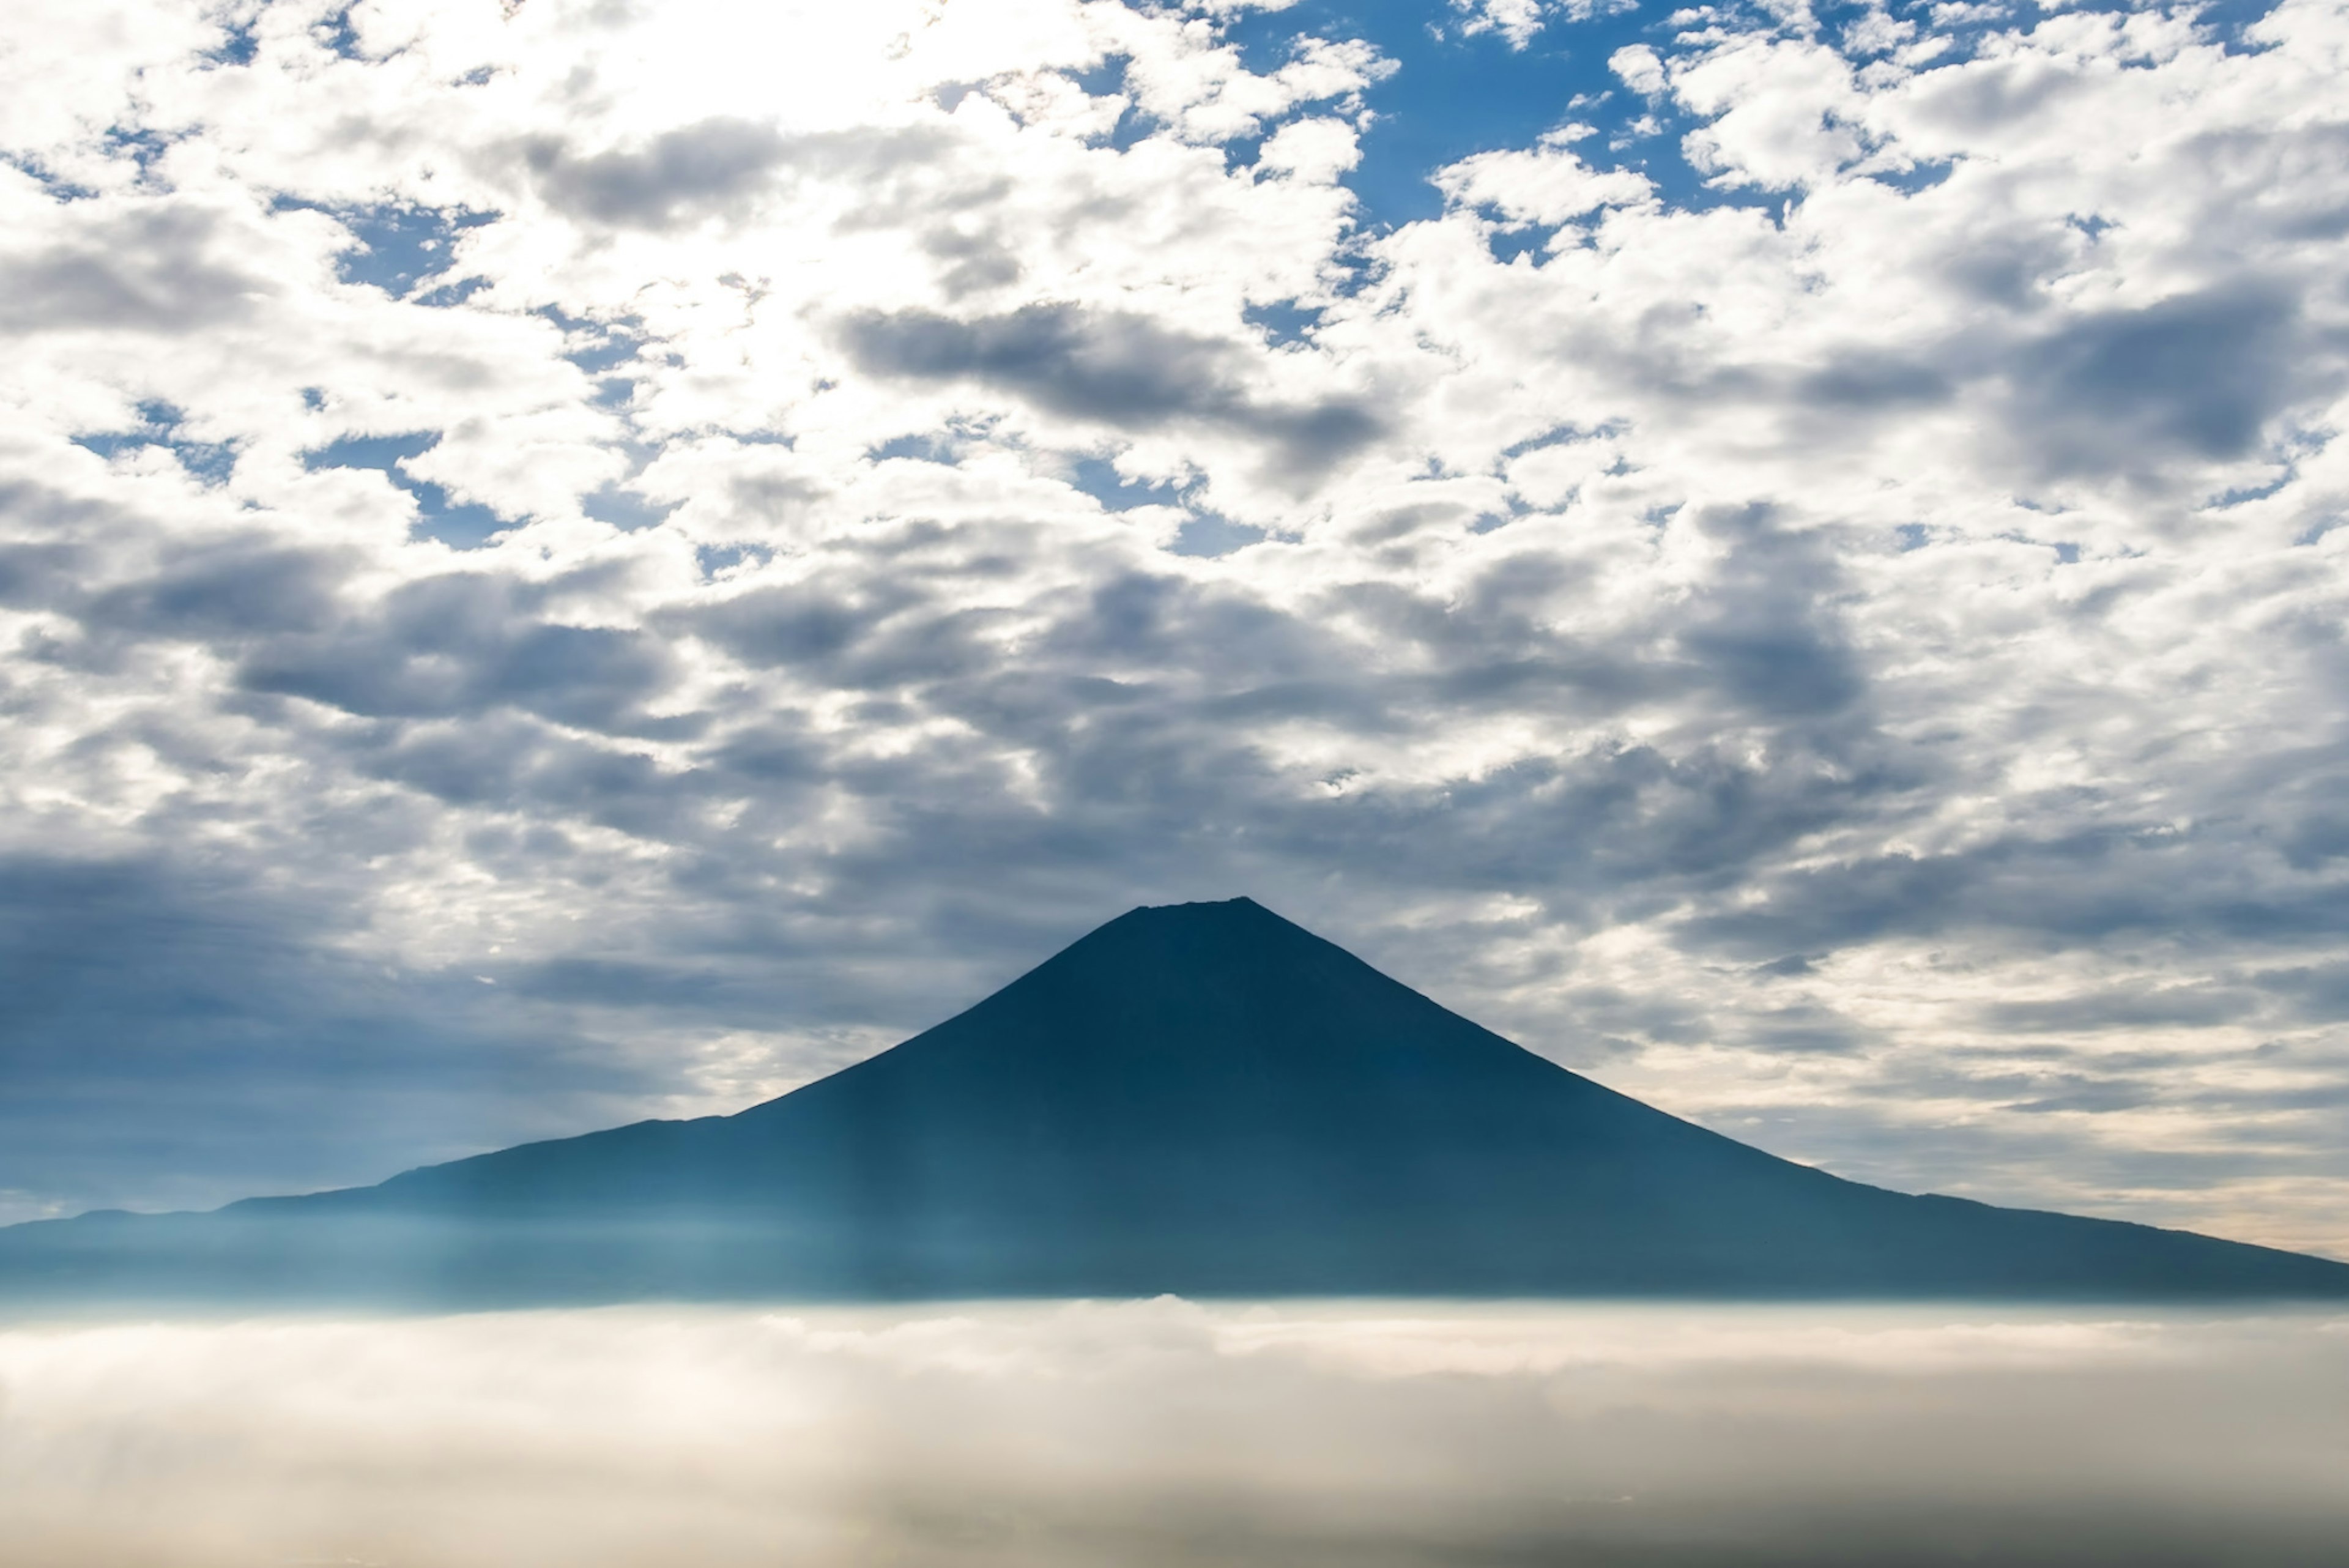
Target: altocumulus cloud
<point x="561" y="561"/>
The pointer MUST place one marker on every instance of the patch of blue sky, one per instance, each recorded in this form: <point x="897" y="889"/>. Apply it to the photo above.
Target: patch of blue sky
<point x="2320" y="528"/>
<point x="1456" y="93"/>
<point x="627" y="510"/>
<point x="462" y="525"/>
<point x="140" y="145"/>
<point x="1210" y="535"/>
<point x="1485" y="521"/>
<point x="337" y="33"/>
<point x="1922" y="176"/>
<point x="1099" y="478"/>
<point x="1203" y="533"/>
<point x="597" y="347"/>
<point x="449" y="294"/>
<point x="1564" y="435"/>
<point x="719" y="560"/>
<point x="240" y="42"/>
<point x="53" y="184"/>
<point x="609" y="350"/>
<point x="2243" y="494"/>
<point x="922" y="446"/>
<point x="1282" y="322"/>
<point x="401" y="249"/>
<point x="1107" y="78"/>
<point x="1508" y="244"/>
<point x="159" y="425"/>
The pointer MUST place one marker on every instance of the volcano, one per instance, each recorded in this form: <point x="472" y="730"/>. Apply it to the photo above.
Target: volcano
<point x="1202" y="1099"/>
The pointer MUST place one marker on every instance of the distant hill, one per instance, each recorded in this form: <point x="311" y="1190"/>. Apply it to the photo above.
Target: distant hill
<point x="1202" y="1100"/>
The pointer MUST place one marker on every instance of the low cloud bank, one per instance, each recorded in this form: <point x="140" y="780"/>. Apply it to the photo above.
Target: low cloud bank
<point x="1168" y="1432"/>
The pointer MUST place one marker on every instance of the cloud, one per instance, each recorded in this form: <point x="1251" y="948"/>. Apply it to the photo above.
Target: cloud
<point x="1547" y="184"/>
<point x="150" y="269"/>
<point x="1117" y="370"/>
<point x="682" y="171"/>
<point x="2201" y="376"/>
<point x="1399" y="1432"/>
<point x="458" y="645"/>
<point x="717" y="166"/>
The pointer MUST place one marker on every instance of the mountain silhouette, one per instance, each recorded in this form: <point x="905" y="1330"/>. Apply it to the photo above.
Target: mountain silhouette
<point x="1200" y="1098"/>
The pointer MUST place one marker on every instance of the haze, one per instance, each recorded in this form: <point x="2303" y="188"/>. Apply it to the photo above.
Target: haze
<point x="1167" y="1432"/>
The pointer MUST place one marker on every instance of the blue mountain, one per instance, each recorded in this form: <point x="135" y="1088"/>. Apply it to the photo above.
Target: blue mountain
<point x="1202" y="1098"/>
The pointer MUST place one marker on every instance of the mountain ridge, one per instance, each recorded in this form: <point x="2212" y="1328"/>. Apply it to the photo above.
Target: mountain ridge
<point x="1198" y="1098"/>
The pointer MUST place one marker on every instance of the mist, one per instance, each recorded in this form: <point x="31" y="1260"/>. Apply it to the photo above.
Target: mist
<point x="1170" y="1432"/>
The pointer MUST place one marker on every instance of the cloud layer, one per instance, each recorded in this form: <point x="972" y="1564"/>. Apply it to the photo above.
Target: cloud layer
<point x="1162" y="1432"/>
<point x="568" y="560"/>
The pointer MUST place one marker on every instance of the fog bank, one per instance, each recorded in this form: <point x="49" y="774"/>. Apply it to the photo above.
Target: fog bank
<point x="1169" y="1432"/>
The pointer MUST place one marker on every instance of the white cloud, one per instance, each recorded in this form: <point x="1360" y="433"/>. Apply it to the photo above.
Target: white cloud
<point x="1542" y="185"/>
<point x="1515" y="20"/>
<point x="1318" y="150"/>
<point x="1640" y="67"/>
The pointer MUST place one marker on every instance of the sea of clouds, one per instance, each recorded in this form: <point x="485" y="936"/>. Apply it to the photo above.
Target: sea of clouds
<point x="1167" y="1432"/>
<point x="563" y="560"/>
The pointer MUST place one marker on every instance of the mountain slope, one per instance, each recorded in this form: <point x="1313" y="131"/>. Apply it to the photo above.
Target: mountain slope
<point x="1200" y="1098"/>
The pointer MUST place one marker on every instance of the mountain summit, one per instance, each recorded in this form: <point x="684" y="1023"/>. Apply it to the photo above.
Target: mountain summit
<point x="1200" y="1098"/>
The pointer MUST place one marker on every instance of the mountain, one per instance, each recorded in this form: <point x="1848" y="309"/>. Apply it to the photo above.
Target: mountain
<point x="1202" y="1100"/>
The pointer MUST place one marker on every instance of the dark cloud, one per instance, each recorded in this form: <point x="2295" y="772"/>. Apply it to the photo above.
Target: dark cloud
<point x="464" y="644"/>
<point x="1874" y="382"/>
<point x="2007" y="265"/>
<point x="2319" y="993"/>
<point x="801" y="624"/>
<point x="2190" y="1006"/>
<point x="970" y="264"/>
<point x="679" y="174"/>
<point x="35" y="575"/>
<point x="232" y="587"/>
<point x="848" y="632"/>
<point x="1767" y="627"/>
<point x="2068" y="890"/>
<point x="228" y="591"/>
<point x="151" y="268"/>
<point x="716" y="167"/>
<point x="1122" y="370"/>
<point x="2201" y="376"/>
<point x="2073" y="1094"/>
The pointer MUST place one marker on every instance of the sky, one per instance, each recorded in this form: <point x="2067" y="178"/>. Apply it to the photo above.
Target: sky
<point x="1392" y="1435"/>
<point x="570" y="560"/>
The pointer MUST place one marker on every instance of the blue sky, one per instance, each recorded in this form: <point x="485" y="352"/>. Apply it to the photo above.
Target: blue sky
<point x="565" y="561"/>
<point x="1459" y="90"/>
